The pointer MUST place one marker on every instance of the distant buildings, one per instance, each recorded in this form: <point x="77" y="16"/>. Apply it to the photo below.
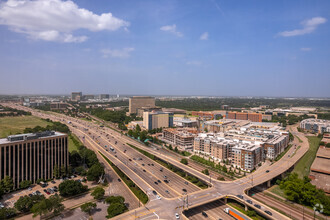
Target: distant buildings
<point x="33" y="156"/>
<point x="137" y="102"/>
<point x="315" y="125"/>
<point x="208" y="115"/>
<point x="255" y="117"/>
<point x="104" y="96"/>
<point x="58" y="106"/>
<point x="245" y="144"/>
<point x="152" y="120"/>
<point x="87" y="97"/>
<point x="76" y="96"/>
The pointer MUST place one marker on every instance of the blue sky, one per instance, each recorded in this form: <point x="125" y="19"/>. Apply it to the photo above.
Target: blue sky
<point x="183" y="47"/>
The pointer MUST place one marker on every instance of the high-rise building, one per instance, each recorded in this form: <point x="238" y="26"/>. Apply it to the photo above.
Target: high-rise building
<point x="137" y="102"/>
<point x="33" y="156"/>
<point x="152" y="120"/>
<point x="76" y="96"/>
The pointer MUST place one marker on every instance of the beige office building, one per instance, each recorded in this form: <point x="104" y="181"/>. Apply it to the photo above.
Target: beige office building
<point x="137" y="102"/>
<point x="33" y="156"/>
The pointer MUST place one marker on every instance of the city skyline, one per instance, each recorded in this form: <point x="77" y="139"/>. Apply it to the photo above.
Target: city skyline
<point x="208" y="48"/>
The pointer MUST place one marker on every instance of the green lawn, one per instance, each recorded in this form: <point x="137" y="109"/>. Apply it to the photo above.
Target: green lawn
<point x="14" y="125"/>
<point x="277" y="190"/>
<point x="304" y="164"/>
<point x="73" y="142"/>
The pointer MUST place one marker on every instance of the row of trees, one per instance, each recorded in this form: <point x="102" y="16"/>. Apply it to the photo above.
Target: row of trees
<point x="55" y="126"/>
<point x="303" y="192"/>
<point x="288" y="120"/>
<point x="12" y="112"/>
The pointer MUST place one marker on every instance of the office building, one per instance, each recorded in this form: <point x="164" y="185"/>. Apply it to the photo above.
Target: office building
<point x="33" y="156"/>
<point x="255" y="117"/>
<point x="152" y="120"/>
<point x="137" y="102"/>
<point x="58" y="106"/>
<point x="315" y="125"/>
<point x="87" y="97"/>
<point x="76" y="96"/>
<point x="104" y="96"/>
<point x="140" y="111"/>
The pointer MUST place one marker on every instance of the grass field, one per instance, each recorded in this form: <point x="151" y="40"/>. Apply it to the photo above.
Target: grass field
<point x="14" y="125"/>
<point x="72" y="145"/>
<point x="304" y="164"/>
<point x="277" y="190"/>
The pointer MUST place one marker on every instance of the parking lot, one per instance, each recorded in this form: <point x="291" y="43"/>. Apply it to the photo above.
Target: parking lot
<point x="51" y="188"/>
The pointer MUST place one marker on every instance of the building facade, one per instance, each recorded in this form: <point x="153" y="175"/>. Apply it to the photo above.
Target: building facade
<point x="181" y="138"/>
<point x="255" y="117"/>
<point x="33" y="156"/>
<point x="104" y="96"/>
<point x="152" y="120"/>
<point x="58" y="106"/>
<point x="315" y="125"/>
<point x="137" y="102"/>
<point x="76" y="96"/>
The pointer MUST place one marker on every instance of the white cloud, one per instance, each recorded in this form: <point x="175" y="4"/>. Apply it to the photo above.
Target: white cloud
<point x="204" y="36"/>
<point x="119" y="53"/>
<point x="308" y="27"/>
<point x="171" y="29"/>
<point x="194" y="63"/>
<point x="306" y="49"/>
<point x="54" y="20"/>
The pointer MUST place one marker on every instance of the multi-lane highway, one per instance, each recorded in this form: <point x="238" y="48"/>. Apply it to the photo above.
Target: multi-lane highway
<point x="166" y="205"/>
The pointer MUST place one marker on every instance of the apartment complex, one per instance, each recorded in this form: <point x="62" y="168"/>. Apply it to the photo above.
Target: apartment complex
<point x="208" y="115"/>
<point x="152" y="120"/>
<point x="33" y="156"/>
<point x="182" y="138"/>
<point x="76" y="96"/>
<point x="255" y="117"/>
<point x="137" y="102"/>
<point x="245" y="145"/>
<point x="315" y="125"/>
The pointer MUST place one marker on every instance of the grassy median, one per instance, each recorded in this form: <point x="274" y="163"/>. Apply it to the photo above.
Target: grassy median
<point x="134" y="188"/>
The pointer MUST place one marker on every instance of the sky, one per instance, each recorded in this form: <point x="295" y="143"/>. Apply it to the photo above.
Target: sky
<point x="166" y="47"/>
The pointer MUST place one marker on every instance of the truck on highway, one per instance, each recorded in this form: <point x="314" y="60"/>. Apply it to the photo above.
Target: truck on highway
<point x="235" y="214"/>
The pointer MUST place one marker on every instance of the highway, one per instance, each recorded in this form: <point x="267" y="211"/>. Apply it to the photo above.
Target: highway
<point x="168" y="205"/>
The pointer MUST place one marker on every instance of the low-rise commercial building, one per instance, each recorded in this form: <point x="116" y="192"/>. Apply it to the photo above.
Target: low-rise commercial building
<point x="255" y="117"/>
<point x="315" y="125"/>
<point x="58" y="106"/>
<point x="33" y="156"/>
<point x="76" y="96"/>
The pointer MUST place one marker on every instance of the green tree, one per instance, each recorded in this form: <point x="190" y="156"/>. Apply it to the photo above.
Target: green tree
<point x="81" y="170"/>
<point x="94" y="173"/>
<point x="53" y="204"/>
<point x="8" y="184"/>
<point x="206" y="172"/>
<point x="114" y="199"/>
<point x="25" y="184"/>
<point x="71" y="188"/>
<point x="98" y="193"/>
<point x="88" y="207"/>
<point x="184" y="161"/>
<point x="57" y="206"/>
<point x="25" y="203"/>
<point x="56" y="172"/>
<point x="138" y="128"/>
<point x="75" y="158"/>
<point x="130" y="132"/>
<point x="7" y="213"/>
<point x="63" y="171"/>
<point x="116" y="209"/>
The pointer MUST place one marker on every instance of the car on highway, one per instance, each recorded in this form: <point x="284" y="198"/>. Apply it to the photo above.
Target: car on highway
<point x="161" y="169"/>
<point x="257" y="206"/>
<point x="166" y="181"/>
<point x="130" y="159"/>
<point x="177" y="216"/>
<point x="167" y="191"/>
<point x="154" y="192"/>
<point x="156" y="182"/>
<point x="119" y="180"/>
<point x="267" y="171"/>
<point x="268" y="212"/>
<point x="184" y="190"/>
<point x="159" y="181"/>
<point x="240" y="196"/>
<point x="185" y="182"/>
<point x="249" y="201"/>
<point x="204" y="214"/>
<point x="165" y="177"/>
<point x="144" y="170"/>
<point x="142" y="164"/>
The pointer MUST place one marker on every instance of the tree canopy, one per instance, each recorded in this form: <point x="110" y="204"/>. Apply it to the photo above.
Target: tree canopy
<point x="71" y="188"/>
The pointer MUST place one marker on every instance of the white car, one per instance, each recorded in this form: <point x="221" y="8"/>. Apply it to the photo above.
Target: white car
<point x="177" y="216"/>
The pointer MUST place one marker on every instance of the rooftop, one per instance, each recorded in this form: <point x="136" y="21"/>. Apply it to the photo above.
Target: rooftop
<point x="30" y="136"/>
